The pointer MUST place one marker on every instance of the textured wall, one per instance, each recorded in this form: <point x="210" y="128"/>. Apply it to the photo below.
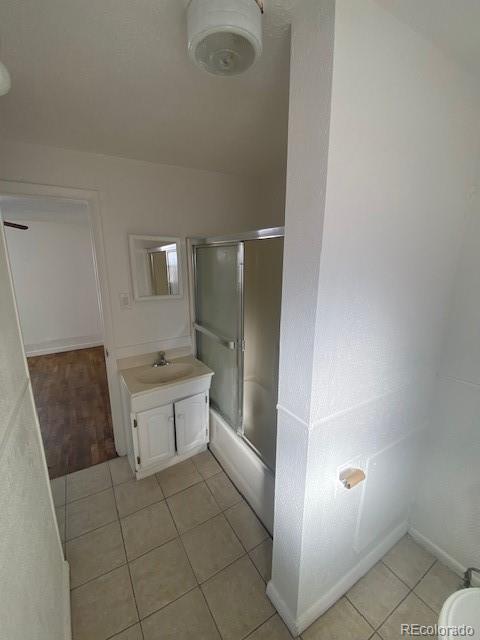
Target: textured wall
<point x="447" y="509"/>
<point x="403" y="153"/>
<point x="310" y="85"/>
<point x="31" y="559"/>
<point x="403" y="143"/>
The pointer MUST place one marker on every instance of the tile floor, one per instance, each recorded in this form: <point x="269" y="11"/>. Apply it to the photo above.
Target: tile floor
<point x="407" y="586"/>
<point x="180" y="555"/>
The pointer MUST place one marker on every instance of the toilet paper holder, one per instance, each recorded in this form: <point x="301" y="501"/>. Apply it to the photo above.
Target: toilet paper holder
<point x="351" y="477"/>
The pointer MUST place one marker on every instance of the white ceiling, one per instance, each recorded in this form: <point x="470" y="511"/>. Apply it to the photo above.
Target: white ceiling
<point x="453" y="25"/>
<point x="113" y="77"/>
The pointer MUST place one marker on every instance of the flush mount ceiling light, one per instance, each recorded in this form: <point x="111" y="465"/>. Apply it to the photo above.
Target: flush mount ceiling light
<point x="5" y="82"/>
<point x="224" y="36"/>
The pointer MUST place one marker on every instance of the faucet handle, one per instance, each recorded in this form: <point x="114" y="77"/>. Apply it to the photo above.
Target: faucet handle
<point x="162" y="359"/>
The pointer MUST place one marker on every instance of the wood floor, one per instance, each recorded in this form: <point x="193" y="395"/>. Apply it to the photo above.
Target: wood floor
<point x="73" y="405"/>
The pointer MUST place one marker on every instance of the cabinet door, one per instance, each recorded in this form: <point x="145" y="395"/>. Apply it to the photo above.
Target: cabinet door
<point x="156" y="435"/>
<point x="191" y="422"/>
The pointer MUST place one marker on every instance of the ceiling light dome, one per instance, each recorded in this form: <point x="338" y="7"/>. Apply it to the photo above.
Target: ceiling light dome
<point x="224" y="36"/>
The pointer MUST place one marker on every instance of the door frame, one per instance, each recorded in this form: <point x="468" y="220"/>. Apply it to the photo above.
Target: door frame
<point x="92" y="199"/>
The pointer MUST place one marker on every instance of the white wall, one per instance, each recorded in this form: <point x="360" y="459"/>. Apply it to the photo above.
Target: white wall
<point x="145" y="199"/>
<point x="308" y="131"/>
<point x="151" y="199"/>
<point x="361" y="333"/>
<point x="35" y="596"/>
<point x="54" y="278"/>
<point x="447" y="511"/>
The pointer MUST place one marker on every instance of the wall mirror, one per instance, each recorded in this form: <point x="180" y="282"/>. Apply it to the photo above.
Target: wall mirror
<point x="156" y="267"/>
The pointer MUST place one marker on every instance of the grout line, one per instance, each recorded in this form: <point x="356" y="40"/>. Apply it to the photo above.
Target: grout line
<point x="249" y="552"/>
<point x="179" y="537"/>
<point x="197" y="586"/>
<point x="235" y="533"/>
<point x="106" y="573"/>
<point x="126" y="629"/>
<point x="426" y="603"/>
<point x="194" y="484"/>
<point x="246" y="553"/>
<point x="393" y="610"/>
<point x="191" y="567"/>
<point x="90" y="495"/>
<point x="146" y="506"/>
<point x="376" y="628"/>
<point x="410" y="591"/>
<point x="128" y="564"/>
<point x="169" y="603"/>
<point x="419" y="597"/>
<point x="401" y="579"/>
<point x="158" y="546"/>
<point x="397" y="576"/>
<point x="90" y="530"/>
<point x="261" y="625"/>
<point x="94" y="493"/>
<point x="133" y="591"/>
<point x="427" y="571"/>
<point x="211" y="612"/>
<point x="356" y="609"/>
<point x="119" y="520"/>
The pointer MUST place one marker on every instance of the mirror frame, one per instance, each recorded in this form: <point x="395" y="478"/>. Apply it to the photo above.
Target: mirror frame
<point x="132" y="240"/>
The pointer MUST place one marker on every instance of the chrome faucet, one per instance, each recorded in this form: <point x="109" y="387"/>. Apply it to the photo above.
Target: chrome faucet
<point x="162" y="361"/>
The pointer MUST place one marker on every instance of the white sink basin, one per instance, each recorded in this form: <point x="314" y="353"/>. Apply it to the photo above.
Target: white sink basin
<point x="167" y="373"/>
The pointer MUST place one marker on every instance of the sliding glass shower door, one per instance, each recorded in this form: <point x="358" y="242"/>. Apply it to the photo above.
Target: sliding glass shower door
<point x="261" y="325"/>
<point x="238" y="292"/>
<point x="219" y="323"/>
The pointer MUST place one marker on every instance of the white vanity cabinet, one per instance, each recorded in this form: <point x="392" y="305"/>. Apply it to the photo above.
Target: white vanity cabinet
<point x="165" y="424"/>
<point x="172" y="430"/>
<point x="155" y="435"/>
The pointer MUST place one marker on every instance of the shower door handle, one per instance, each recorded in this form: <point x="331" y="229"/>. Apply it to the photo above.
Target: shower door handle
<point x="226" y="342"/>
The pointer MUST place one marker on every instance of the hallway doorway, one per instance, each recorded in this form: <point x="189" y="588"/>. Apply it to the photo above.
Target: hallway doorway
<point x="52" y="260"/>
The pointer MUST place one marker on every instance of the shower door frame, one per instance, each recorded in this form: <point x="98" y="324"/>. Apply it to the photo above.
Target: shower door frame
<point x="232" y="240"/>
<point x="234" y="343"/>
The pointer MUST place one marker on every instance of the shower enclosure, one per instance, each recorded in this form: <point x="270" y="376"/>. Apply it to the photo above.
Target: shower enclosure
<point x="238" y="287"/>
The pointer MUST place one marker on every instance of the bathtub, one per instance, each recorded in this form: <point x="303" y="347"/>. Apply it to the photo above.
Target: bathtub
<point x="250" y="475"/>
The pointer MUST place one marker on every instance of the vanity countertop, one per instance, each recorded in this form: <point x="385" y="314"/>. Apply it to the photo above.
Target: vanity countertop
<point x="192" y="368"/>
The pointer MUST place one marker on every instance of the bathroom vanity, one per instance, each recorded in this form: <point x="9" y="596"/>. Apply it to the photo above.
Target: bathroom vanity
<point x="166" y="413"/>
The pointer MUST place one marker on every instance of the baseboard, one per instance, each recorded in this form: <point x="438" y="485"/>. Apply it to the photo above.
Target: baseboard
<point x="304" y="620"/>
<point x="283" y="610"/>
<point x="66" y="596"/>
<point x="60" y="346"/>
<point x="442" y="555"/>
